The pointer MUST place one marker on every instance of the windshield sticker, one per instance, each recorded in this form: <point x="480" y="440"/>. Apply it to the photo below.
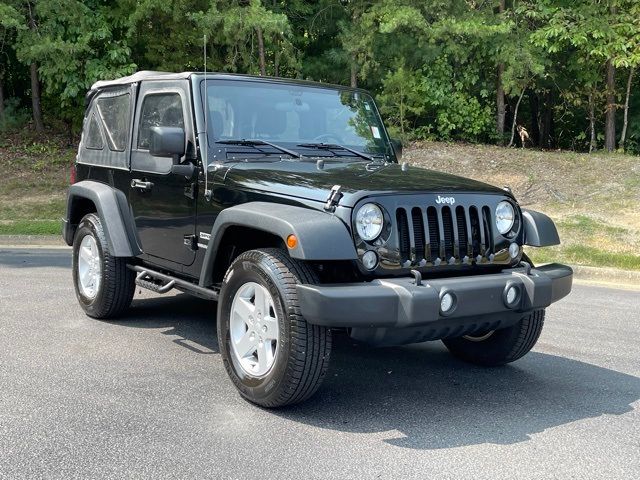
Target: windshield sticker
<point x="375" y="131"/>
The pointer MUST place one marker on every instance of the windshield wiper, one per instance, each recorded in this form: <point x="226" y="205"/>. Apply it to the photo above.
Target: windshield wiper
<point x="335" y="146"/>
<point x="257" y="143"/>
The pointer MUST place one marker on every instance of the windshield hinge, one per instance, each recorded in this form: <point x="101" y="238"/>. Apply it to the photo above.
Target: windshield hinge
<point x="334" y="197"/>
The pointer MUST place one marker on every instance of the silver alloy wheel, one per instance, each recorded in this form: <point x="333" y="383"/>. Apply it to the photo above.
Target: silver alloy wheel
<point x="89" y="267"/>
<point x="253" y="328"/>
<point x="479" y="338"/>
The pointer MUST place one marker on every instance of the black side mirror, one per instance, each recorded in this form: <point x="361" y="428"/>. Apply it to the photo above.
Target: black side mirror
<point x="397" y="147"/>
<point x="168" y="142"/>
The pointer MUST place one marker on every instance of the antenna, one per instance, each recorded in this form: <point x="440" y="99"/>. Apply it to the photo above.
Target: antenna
<point x="205" y="152"/>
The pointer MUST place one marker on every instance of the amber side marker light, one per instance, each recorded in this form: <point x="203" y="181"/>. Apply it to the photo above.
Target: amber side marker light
<point x="292" y="241"/>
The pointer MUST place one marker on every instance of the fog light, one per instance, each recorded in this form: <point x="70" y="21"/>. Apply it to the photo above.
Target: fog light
<point x="514" y="250"/>
<point x="512" y="295"/>
<point x="447" y="303"/>
<point x="370" y="260"/>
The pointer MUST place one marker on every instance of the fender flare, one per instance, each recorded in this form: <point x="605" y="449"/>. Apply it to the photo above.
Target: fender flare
<point x="321" y="236"/>
<point x="113" y="209"/>
<point x="539" y="229"/>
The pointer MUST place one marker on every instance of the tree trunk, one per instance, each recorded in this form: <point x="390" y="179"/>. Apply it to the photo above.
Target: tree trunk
<point x="500" y="93"/>
<point x="546" y="138"/>
<point x="354" y="72"/>
<point x="263" y="64"/>
<point x="35" y="83"/>
<point x="515" y="117"/>
<point x="592" y="125"/>
<point x="623" y="137"/>
<point x="610" y="118"/>
<point x="500" y="105"/>
<point x="534" y="107"/>
<point x="1" y="100"/>
<point x="35" y="99"/>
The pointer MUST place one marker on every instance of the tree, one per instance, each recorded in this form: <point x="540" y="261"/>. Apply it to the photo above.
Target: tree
<point x="595" y="31"/>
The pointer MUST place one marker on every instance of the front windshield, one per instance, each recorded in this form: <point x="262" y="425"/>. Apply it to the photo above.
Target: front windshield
<point x="294" y="116"/>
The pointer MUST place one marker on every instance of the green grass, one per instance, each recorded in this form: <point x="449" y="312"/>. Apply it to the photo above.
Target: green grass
<point x="584" y="255"/>
<point x="31" y="227"/>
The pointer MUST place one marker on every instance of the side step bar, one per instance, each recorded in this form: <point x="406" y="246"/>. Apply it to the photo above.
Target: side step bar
<point x="146" y="277"/>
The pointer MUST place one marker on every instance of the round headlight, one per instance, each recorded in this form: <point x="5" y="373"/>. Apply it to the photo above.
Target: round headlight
<point x="505" y="217"/>
<point x="369" y="222"/>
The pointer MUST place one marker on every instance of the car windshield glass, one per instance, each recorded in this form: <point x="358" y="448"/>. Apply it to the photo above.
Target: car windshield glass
<point x="290" y="115"/>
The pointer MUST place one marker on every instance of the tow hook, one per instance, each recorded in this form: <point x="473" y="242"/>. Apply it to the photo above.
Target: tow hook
<point x="418" y="277"/>
<point x="527" y="267"/>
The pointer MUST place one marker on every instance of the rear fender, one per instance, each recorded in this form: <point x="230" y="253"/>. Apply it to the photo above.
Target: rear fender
<point x="113" y="209"/>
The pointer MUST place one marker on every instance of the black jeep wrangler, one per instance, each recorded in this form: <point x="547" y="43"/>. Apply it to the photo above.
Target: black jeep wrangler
<point x="285" y="202"/>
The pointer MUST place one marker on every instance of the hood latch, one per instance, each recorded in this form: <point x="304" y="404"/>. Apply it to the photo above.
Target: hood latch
<point x="334" y="198"/>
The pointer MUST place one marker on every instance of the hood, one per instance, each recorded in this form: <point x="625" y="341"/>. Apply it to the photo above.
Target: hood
<point x="304" y="179"/>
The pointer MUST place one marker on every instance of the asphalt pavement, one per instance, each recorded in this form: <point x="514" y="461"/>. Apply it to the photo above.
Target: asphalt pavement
<point x="148" y="397"/>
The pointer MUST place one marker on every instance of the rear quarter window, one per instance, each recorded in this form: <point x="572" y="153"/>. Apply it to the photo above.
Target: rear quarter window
<point x="114" y="113"/>
<point x="93" y="135"/>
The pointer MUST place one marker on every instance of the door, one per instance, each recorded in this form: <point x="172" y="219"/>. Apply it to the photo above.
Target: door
<point x="163" y="203"/>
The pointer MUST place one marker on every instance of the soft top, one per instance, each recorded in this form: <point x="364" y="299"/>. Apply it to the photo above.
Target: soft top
<point x="139" y="76"/>
<point x="151" y="75"/>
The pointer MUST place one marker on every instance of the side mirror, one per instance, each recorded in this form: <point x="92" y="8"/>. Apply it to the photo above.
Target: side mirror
<point x="168" y="142"/>
<point x="397" y="147"/>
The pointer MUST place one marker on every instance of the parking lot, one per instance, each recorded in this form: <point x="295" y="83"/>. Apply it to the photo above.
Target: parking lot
<point x="148" y="396"/>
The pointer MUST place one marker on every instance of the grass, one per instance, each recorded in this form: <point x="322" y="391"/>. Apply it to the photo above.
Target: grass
<point x="34" y="175"/>
<point x="594" y="199"/>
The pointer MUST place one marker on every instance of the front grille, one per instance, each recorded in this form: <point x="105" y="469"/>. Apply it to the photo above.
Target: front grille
<point x="444" y="235"/>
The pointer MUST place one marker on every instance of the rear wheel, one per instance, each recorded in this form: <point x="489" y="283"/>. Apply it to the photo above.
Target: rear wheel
<point x="103" y="283"/>
<point x="272" y="355"/>
<point x="500" y="346"/>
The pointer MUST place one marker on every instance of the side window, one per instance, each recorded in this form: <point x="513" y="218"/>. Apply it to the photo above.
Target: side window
<point x="114" y="113"/>
<point x="159" y="110"/>
<point x="93" y="139"/>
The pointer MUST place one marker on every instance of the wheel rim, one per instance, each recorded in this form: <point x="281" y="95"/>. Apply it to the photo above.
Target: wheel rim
<point x="479" y="338"/>
<point x="254" y="329"/>
<point x="89" y="267"/>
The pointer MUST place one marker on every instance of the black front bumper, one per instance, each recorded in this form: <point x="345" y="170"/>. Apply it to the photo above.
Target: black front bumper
<point x="480" y="301"/>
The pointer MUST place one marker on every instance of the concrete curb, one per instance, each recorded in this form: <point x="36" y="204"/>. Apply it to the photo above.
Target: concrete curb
<point x="606" y="276"/>
<point x="38" y="241"/>
<point x="597" y="275"/>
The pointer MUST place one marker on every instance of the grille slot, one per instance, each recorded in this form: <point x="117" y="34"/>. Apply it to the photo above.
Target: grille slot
<point x="443" y="232"/>
<point x="462" y="231"/>
<point x="434" y="232"/>
<point x="403" y="234"/>
<point x="418" y="232"/>
<point x="447" y="226"/>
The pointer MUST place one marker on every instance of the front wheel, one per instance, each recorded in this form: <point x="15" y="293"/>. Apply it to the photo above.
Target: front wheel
<point x="272" y="355"/>
<point x="500" y="346"/>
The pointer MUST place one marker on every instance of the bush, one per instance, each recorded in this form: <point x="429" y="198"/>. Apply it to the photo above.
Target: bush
<point x="14" y="116"/>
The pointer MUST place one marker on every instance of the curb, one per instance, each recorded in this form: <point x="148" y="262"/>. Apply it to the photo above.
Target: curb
<point x="606" y="276"/>
<point x="36" y="241"/>
<point x="596" y="275"/>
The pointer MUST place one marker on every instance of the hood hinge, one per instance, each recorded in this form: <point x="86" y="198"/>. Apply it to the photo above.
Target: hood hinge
<point x="333" y="199"/>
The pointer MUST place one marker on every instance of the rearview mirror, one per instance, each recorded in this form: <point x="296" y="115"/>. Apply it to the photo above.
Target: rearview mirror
<point x="397" y="147"/>
<point x="168" y="142"/>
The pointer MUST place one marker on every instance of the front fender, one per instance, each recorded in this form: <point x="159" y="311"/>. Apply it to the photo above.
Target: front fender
<point x="539" y="229"/>
<point x="321" y="236"/>
<point x="112" y="208"/>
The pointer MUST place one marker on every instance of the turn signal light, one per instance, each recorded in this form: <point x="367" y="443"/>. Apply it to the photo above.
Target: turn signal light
<point x="292" y="241"/>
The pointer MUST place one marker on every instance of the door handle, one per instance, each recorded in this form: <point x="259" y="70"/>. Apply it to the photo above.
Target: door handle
<point x="141" y="184"/>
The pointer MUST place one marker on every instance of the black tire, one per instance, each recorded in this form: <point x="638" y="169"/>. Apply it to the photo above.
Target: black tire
<point x="502" y="346"/>
<point x="117" y="282"/>
<point x="303" y="352"/>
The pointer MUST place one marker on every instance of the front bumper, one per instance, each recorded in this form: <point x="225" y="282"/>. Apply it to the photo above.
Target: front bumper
<point x="480" y="301"/>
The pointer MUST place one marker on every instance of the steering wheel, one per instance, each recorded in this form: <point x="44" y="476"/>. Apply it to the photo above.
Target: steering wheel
<point x="328" y="137"/>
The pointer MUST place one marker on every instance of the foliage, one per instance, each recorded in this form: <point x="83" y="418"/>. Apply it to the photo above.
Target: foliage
<point x="432" y="64"/>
